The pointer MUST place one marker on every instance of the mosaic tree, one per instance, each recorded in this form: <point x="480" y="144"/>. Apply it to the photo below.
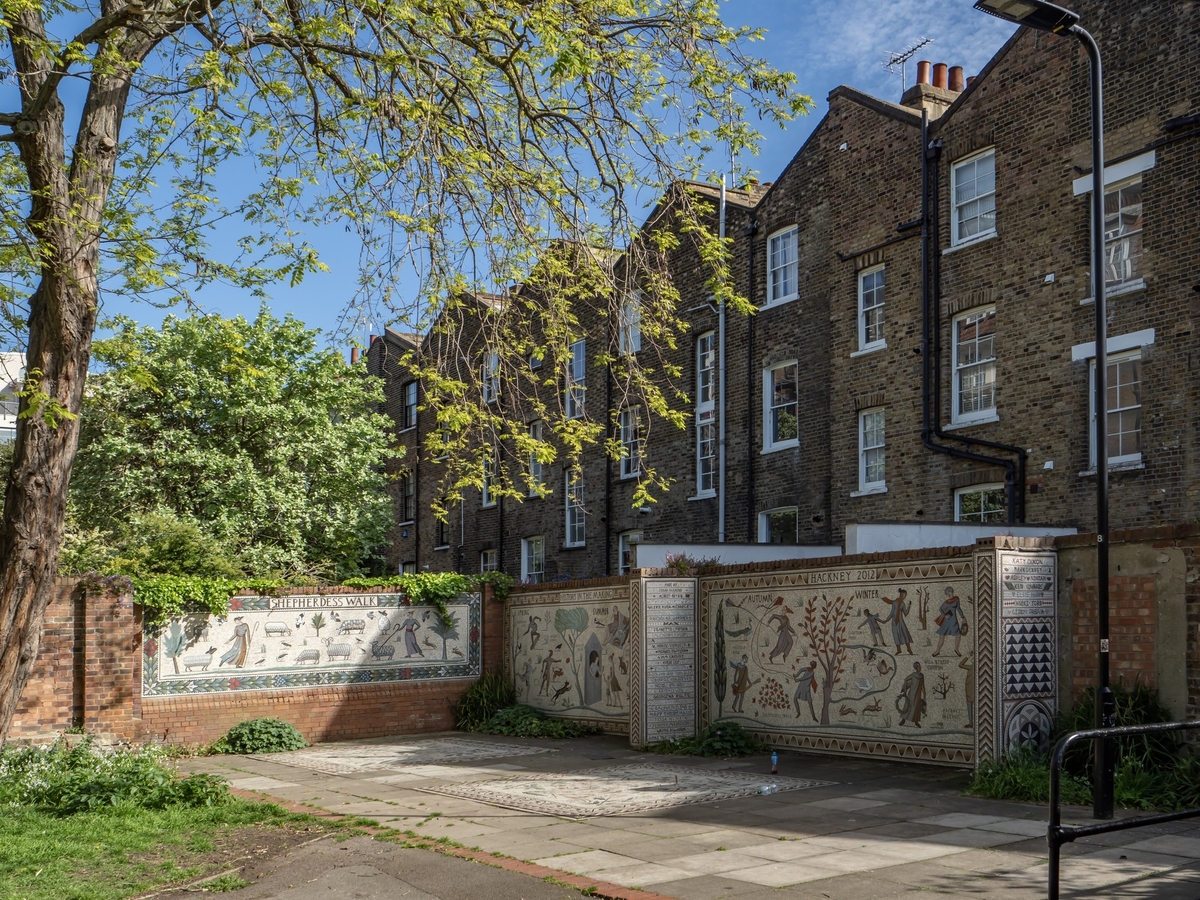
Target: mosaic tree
<point x="570" y="624"/>
<point x="446" y="630"/>
<point x="824" y="627"/>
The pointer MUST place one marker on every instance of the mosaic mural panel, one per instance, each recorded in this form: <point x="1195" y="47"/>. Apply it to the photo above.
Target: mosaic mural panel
<point x="616" y="790"/>
<point x="663" y="687"/>
<point x="1028" y="627"/>
<point x="876" y="660"/>
<point x="272" y="643"/>
<point x="568" y="653"/>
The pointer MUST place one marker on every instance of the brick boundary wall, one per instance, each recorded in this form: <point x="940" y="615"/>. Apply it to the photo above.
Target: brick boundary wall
<point x="88" y="674"/>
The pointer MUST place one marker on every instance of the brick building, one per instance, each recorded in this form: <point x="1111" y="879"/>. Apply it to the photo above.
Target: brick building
<point x="923" y="342"/>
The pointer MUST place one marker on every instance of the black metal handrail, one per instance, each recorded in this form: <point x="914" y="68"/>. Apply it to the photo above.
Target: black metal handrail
<point x="1058" y="834"/>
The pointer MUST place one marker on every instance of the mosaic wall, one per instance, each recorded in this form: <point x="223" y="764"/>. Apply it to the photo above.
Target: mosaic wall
<point x="876" y="660"/>
<point x="568" y="653"/>
<point x="268" y="643"/>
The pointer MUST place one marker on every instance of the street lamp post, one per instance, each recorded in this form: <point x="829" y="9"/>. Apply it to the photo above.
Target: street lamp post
<point x="1044" y="16"/>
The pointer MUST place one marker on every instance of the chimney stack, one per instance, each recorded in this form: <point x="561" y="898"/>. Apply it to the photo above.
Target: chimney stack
<point x="923" y="67"/>
<point x="354" y="356"/>
<point x="937" y="84"/>
<point x="939" y="75"/>
<point x="956" y="79"/>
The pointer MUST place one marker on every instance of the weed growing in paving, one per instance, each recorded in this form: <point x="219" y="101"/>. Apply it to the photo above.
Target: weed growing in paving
<point x="722" y="739"/>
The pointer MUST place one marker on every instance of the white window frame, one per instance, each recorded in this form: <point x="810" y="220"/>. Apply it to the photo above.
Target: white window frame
<point x="872" y="442"/>
<point x="575" y="388"/>
<point x="533" y="559"/>
<point x="576" y="513"/>
<point x="877" y="292"/>
<point x="489" y="560"/>
<point x="784" y="239"/>
<point x="957" y="204"/>
<point x="981" y="489"/>
<point x="491" y="377"/>
<point x="770" y="445"/>
<point x="764" y="523"/>
<point x="706" y="463"/>
<point x="706" y="370"/>
<point x="487" y="500"/>
<point x="629" y="326"/>
<point x="1114" y="359"/>
<point x="408" y="405"/>
<point x="706" y="414"/>
<point x="536" y="482"/>
<point x="624" y="554"/>
<point x="1112" y="241"/>
<point x="632" y="439"/>
<point x="960" y="371"/>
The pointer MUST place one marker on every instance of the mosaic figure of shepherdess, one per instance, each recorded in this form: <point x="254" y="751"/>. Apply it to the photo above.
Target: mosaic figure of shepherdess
<point x="241" y="645"/>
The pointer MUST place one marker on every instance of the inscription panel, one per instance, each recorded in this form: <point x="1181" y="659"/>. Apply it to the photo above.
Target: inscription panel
<point x="669" y="688"/>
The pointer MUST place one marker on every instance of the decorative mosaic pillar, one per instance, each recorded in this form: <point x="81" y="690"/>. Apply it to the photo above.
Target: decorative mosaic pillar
<point x="663" y="701"/>
<point x="1016" y="585"/>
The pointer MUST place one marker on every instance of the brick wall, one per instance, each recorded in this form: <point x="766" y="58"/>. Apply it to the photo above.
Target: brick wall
<point x="1132" y="627"/>
<point x="88" y="674"/>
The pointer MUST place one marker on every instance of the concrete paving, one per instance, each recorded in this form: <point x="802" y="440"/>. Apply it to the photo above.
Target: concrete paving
<point x="873" y="829"/>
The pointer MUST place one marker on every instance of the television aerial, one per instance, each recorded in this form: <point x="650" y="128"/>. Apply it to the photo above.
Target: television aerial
<point x="896" y="61"/>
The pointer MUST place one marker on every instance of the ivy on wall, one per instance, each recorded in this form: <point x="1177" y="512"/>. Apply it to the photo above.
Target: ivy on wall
<point x="164" y="597"/>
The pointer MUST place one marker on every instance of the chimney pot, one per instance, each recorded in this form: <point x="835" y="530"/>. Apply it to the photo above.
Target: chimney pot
<point x="956" y="79"/>
<point x="939" y="75"/>
<point x="970" y="80"/>
<point x="353" y="356"/>
<point x="923" y="71"/>
<point x="372" y="340"/>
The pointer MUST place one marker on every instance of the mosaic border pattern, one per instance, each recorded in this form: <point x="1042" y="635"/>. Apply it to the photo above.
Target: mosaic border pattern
<point x="241" y="680"/>
<point x="558" y="803"/>
<point x="986" y="712"/>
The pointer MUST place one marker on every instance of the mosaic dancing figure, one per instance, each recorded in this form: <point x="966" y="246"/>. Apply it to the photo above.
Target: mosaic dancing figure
<point x="805" y="684"/>
<point x="533" y="632"/>
<point x="410" y="626"/>
<point x="901" y="636"/>
<point x="911" y="702"/>
<point x="741" y="682"/>
<point x="241" y="645"/>
<point x="950" y="621"/>
<point x="547" y="672"/>
<point x="872" y="621"/>
<point x="787" y="637"/>
<point x="525" y="673"/>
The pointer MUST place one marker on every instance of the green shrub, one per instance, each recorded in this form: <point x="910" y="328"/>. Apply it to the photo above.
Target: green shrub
<point x="525" y="721"/>
<point x="65" y="780"/>
<point x="721" y="739"/>
<point x="260" y="736"/>
<point x="482" y="700"/>
<point x="1024" y="774"/>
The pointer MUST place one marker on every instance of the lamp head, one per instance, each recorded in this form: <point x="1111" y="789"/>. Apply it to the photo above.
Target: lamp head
<point x="1036" y="14"/>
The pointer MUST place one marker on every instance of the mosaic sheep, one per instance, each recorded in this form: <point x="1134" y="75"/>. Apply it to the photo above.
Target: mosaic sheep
<point x="277" y="629"/>
<point x="340" y="651"/>
<point x="352" y="626"/>
<point x="200" y="661"/>
<point x="309" y="656"/>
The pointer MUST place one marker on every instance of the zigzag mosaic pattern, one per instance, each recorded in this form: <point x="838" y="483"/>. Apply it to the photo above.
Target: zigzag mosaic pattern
<point x="1028" y="658"/>
<point x="985" y="605"/>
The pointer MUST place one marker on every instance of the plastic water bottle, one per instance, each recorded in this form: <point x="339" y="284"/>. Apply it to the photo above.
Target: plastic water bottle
<point x="768" y="789"/>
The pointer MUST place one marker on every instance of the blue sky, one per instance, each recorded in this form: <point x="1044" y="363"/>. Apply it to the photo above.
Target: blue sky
<point x="825" y="42"/>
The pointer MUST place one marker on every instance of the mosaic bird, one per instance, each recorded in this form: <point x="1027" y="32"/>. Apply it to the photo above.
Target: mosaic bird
<point x="284" y="644"/>
<point x="281" y="656"/>
<point x="260" y="662"/>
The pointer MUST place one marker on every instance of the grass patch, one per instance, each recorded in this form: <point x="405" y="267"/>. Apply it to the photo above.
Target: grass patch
<point x="1154" y="772"/>
<point x="525" y="721"/>
<point x="230" y="881"/>
<point x="80" y="823"/>
<point x="724" y="739"/>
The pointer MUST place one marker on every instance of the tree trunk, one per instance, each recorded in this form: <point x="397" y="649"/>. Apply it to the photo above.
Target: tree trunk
<point x="65" y="216"/>
<point x="826" y="694"/>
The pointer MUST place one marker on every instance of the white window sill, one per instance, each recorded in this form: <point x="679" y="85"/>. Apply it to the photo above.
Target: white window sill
<point x="406" y="522"/>
<point x="870" y="348"/>
<point x="574" y="546"/>
<point x="968" y="423"/>
<point x="868" y="491"/>
<point x="970" y="242"/>
<point x="782" y="301"/>
<point x="442" y="547"/>
<point x="487" y="505"/>
<point x="406" y="429"/>
<point x="632" y="476"/>
<point x="1117" y="290"/>
<point x="706" y="495"/>
<point x="1127" y="465"/>
<point x="784" y="445"/>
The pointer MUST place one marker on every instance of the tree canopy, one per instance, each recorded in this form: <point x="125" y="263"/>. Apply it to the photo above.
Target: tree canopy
<point x="453" y="138"/>
<point x="267" y="447"/>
